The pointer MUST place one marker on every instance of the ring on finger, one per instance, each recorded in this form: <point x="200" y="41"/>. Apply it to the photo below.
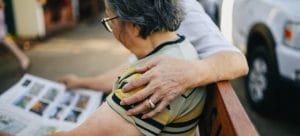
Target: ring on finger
<point x="151" y="104"/>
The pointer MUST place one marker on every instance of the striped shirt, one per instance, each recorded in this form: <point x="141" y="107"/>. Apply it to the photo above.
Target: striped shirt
<point x="180" y="117"/>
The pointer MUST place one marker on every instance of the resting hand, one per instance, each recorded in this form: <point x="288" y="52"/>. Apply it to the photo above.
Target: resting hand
<point x="71" y="81"/>
<point x="166" y="79"/>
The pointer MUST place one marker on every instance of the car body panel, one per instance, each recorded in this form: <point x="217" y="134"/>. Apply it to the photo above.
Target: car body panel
<point x="274" y="15"/>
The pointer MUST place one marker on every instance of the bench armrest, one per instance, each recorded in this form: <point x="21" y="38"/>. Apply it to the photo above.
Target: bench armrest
<point x="223" y="113"/>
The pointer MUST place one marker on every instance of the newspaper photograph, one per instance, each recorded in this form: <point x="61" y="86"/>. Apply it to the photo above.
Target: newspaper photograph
<point x="37" y="106"/>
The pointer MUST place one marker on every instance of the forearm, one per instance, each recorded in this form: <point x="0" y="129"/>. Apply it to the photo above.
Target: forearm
<point x="103" y="82"/>
<point x="225" y="65"/>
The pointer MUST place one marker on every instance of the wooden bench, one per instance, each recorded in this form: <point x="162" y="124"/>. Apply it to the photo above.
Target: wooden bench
<point x="223" y="114"/>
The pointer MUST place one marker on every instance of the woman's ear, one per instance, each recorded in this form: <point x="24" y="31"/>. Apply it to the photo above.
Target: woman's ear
<point x="134" y="29"/>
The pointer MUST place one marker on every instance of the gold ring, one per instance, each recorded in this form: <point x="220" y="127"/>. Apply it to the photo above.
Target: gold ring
<point x="151" y="104"/>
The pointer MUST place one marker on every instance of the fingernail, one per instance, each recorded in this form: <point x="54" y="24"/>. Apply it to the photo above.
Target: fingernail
<point x="144" y="117"/>
<point x="122" y="103"/>
<point x="124" y="88"/>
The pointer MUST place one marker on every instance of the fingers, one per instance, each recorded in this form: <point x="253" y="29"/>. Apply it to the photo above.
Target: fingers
<point x="159" y="108"/>
<point x="70" y="81"/>
<point x="137" y="97"/>
<point x="144" y="106"/>
<point x="63" y="80"/>
<point x="148" y="71"/>
<point x="147" y="66"/>
<point x="143" y="80"/>
<point x="165" y="101"/>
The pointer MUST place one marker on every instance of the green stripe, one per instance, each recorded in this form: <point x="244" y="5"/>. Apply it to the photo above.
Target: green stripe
<point x="180" y="131"/>
<point x="146" y="131"/>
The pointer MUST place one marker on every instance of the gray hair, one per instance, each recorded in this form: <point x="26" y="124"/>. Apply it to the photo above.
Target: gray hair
<point x="149" y="15"/>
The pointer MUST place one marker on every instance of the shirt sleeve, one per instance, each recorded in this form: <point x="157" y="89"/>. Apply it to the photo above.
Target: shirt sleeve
<point x="200" y="30"/>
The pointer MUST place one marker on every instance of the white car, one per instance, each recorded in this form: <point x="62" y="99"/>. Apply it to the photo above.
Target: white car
<point x="268" y="31"/>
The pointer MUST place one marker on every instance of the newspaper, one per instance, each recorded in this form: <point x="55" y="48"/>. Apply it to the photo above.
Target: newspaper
<point x="36" y="106"/>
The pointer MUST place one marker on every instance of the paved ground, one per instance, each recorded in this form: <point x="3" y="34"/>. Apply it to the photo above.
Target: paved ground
<point x="89" y="50"/>
<point x="284" y="124"/>
<point x="86" y="50"/>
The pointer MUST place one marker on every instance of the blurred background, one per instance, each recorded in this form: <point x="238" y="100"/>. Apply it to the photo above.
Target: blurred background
<point x="66" y="36"/>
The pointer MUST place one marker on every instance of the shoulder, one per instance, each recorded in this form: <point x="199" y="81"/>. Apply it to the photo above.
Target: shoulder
<point x="192" y="5"/>
<point x="183" y="49"/>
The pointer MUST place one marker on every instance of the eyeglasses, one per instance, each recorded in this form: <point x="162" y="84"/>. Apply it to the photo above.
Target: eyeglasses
<point x="106" y="22"/>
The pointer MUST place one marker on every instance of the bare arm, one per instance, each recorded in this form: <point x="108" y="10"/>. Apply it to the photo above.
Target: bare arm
<point x="225" y="65"/>
<point x="167" y="78"/>
<point x="103" y="122"/>
<point x="102" y="82"/>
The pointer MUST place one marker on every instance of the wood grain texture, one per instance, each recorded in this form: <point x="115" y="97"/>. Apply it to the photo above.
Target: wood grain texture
<point x="224" y="114"/>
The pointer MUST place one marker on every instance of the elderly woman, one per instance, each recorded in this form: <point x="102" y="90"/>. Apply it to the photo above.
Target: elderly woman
<point x="146" y="28"/>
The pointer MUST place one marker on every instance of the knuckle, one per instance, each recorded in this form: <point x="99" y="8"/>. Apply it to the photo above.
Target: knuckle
<point x="168" y="99"/>
<point x="146" y="104"/>
<point x="126" y="87"/>
<point x="132" y="83"/>
<point x="156" y="98"/>
<point x="139" y="81"/>
<point x="157" y="110"/>
<point x="137" y="98"/>
<point x="160" y="96"/>
<point x="150" y="115"/>
<point x="171" y="98"/>
<point x="161" y="108"/>
<point x="157" y="87"/>
<point x="125" y="101"/>
<point x="133" y="111"/>
<point x="137" y="111"/>
<point x="155" y="74"/>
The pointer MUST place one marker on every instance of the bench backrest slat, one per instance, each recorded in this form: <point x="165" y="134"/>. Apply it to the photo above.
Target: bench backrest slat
<point x="223" y="114"/>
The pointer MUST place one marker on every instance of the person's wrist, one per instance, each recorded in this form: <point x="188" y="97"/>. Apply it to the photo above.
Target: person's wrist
<point x="81" y="83"/>
<point x="201" y="72"/>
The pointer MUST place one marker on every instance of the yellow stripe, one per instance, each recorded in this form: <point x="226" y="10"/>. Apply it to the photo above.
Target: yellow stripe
<point x="122" y="95"/>
<point x="119" y="94"/>
<point x="135" y="76"/>
<point x="167" y="114"/>
<point x="134" y="91"/>
<point x="127" y="72"/>
<point x="163" y="117"/>
<point x="160" y="119"/>
<point x="191" y="132"/>
<point x="195" y="113"/>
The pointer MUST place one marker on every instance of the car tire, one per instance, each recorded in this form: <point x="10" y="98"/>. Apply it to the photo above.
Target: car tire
<point x="261" y="82"/>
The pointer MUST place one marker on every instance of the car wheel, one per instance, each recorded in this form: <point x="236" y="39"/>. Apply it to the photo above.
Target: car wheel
<point x="261" y="80"/>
